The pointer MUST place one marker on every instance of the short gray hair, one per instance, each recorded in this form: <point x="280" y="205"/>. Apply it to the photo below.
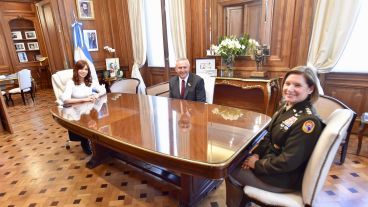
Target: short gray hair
<point x="182" y="59"/>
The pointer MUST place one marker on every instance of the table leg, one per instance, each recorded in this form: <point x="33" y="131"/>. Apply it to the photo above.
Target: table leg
<point x="99" y="154"/>
<point x="360" y="136"/>
<point x="194" y="188"/>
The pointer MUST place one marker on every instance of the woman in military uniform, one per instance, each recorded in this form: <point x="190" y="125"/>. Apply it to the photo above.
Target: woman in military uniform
<point x="277" y="164"/>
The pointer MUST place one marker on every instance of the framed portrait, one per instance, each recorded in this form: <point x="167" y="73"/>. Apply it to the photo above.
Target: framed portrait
<point x="33" y="46"/>
<point x="30" y="35"/>
<point x="206" y="66"/>
<point x="90" y="39"/>
<point x="16" y="35"/>
<point x="85" y="9"/>
<point x="19" y="46"/>
<point x="112" y="65"/>
<point x="22" y="57"/>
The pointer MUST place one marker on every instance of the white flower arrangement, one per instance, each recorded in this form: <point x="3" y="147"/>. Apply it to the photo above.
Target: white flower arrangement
<point x="230" y="47"/>
<point x="252" y="46"/>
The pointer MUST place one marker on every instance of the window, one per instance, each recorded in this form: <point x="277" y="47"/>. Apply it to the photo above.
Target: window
<point x="354" y="56"/>
<point x="156" y="40"/>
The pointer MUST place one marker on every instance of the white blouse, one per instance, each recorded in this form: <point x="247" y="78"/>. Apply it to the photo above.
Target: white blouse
<point x="81" y="91"/>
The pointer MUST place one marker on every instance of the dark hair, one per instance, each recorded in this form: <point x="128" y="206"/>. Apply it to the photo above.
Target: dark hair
<point x="80" y="64"/>
<point x="310" y="77"/>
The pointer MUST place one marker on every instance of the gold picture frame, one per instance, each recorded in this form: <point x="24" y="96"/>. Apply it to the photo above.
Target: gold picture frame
<point x="85" y="9"/>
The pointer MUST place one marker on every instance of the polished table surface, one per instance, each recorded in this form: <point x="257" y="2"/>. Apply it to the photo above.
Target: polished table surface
<point x="190" y="137"/>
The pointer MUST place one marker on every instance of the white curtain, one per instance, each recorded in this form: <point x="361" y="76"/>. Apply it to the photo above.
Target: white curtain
<point x="176" y="10"/>
<point x="137" y="28"/>
<point x="332" y="27"/>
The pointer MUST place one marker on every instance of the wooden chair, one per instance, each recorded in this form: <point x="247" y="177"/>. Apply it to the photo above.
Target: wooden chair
<point x="3" y="93"/>
<point x="325" y="105"/>
<point x="337" y="127"/>
<point x="129" y="85"/>
<point x="160" y="89"/>
<point x="25" y="85"/>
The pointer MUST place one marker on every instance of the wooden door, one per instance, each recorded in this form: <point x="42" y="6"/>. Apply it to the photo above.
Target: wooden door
<point x="58" y="45"/>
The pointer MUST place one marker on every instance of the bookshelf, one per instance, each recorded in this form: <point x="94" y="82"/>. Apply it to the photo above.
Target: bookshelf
<point x="25" y="40"/>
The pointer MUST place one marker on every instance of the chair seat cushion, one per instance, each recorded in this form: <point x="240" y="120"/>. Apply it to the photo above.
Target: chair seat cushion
<point x="17" y="90"/>
<point x="275" y="199"/>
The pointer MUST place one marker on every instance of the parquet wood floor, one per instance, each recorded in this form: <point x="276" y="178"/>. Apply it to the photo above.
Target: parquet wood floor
<point x="37" y="170"/>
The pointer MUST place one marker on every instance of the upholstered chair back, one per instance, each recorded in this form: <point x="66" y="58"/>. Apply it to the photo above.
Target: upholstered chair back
<point x="24" y="79"/>
<point x="158" y="89"/>
<point x="129" y="85"/>
<point x="325" y="105"/>
<point x="337" y="125"/>
<point x="59" y="80"/>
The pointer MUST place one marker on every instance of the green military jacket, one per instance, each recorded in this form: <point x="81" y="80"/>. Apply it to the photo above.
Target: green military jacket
<point x="285" y="150"/>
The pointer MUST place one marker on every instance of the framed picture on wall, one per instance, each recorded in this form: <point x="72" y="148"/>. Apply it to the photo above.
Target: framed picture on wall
<point x="22" y="57"/>
<point x="85" y="9"/>
<point x="16" y="35"/>
<point x="90" y="39"/>
<point x="33" y="46"/>
<point x="30" y="35"/>
<point x="19" y="46"/>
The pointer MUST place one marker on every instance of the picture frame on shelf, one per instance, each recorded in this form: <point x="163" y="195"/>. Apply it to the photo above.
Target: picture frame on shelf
<point x="16" y="35"/>
<point x="30" y="35"/>
<point x="22" y="57"/>
<point x="206" y="66"/>
<point x="90" y="39"/>
<point x="112" y="65"/>
<point x="33" y="46"/>
<point x="19" y="46"/>
<point x="38" y="57"/>
<point x="85" y="9"/>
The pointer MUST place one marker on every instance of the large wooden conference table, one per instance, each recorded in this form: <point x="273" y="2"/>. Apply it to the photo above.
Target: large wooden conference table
<point x="189" y="144"/>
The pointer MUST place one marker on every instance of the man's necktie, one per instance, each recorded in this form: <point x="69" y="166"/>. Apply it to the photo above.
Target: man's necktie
<point x="182" y="89"/>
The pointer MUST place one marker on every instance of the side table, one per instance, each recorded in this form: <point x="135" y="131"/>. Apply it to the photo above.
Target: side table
<point x="363" y="126"/>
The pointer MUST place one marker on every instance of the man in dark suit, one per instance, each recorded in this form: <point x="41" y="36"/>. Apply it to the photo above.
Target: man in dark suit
<point x="186" y="85"/>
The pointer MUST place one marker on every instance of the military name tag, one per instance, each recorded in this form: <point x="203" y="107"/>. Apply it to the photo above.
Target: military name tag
<point x="308" y="126"/>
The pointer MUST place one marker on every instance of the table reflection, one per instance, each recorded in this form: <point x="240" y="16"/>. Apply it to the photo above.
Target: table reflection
<point x="75" y="112"/>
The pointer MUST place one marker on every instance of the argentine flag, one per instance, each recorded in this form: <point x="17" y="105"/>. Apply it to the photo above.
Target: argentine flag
<point x="80" y="49"/>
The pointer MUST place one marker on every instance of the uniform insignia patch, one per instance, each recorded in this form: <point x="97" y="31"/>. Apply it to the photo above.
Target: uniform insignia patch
<point x="308" y="126"/>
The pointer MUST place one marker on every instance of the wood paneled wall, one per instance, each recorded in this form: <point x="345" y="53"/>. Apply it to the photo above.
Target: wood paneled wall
<point x="111" y="23"/>
<point x="290" y="34"/>
<point x="352" y="89"/>
<point x="5" y="63"/>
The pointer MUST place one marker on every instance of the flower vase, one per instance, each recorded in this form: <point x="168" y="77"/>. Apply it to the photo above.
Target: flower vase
<point x="229" y="66"/>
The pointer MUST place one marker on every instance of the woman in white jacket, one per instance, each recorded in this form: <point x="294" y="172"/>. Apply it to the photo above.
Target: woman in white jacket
<point x="81" y="89"/>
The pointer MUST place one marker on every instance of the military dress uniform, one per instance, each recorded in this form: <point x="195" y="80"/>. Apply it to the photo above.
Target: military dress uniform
<point x="283" y="153"/>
